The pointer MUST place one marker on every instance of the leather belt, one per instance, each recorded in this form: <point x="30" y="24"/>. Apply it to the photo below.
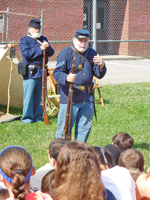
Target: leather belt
<point x="78" y="88"/>
<point x="36" y="65"/>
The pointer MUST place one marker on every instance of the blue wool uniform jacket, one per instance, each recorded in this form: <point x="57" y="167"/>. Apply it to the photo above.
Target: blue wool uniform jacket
<point x="84" y="77"/>
<point x="32" y="53"/>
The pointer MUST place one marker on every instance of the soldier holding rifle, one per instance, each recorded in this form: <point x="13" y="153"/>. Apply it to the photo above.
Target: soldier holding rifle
<point x="87" y="64"/>
<point x="32" y="47"/>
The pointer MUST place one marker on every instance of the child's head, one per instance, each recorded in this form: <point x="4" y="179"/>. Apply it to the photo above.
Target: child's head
<point x="114" y="151"/>
<point x="132" y="158"/>
<point x="15" y="169"/>
<point x="123" y="141"/>
<point x="48" y="182"/>
<point x="78" y="174"/>
<point x="4" y="194"/>
<point x="105" y="158"/>
<point x="54" y="149"/>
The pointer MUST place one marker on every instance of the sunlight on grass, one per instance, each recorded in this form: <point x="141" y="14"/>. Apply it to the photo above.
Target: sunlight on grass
<point x="126" y="109"/>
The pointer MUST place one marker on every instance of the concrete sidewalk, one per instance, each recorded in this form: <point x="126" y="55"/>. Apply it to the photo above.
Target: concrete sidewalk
<point x="126" y="71"/>
<point x="122" y="69"/>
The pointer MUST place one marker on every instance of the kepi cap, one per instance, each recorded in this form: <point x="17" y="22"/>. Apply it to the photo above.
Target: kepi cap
<point x="35" y="23"/>
<point x="82" y="33"/>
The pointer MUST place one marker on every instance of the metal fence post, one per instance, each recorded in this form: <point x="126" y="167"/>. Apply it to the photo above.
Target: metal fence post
<point x="3" y="31"/>
<point x="94" y="24"/>
<point x="7" y="25"/>
<point x="42" y="19"/>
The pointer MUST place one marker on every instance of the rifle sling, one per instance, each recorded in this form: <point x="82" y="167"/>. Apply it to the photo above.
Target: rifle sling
<point x="80" y="55"/>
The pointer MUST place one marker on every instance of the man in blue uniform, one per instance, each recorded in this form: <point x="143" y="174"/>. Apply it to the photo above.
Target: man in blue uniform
<point x="93" y="65"/>
<point x="32" y="47"/>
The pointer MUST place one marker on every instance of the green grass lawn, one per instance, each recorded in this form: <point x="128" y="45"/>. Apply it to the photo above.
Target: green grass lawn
<point x="126" y="109"/>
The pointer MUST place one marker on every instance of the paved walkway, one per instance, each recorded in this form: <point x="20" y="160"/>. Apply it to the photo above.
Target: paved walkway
<point x="126" y="71"/>
<point x="123" y="69"/>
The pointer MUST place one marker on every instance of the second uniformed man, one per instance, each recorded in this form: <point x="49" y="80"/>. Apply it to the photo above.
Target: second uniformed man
<point x="82" y="102"/>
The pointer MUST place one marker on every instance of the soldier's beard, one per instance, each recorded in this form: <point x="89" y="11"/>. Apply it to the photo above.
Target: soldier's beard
<point x="79" y="47"/>
<point x="36" y="35"/>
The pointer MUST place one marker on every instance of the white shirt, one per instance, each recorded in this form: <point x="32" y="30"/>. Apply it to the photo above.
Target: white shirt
<point x="119" y="181"/>
<point x="35" y="181"/>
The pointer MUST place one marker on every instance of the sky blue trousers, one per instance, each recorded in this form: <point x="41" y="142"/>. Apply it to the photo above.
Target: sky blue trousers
<point x="32" y="110"/>
<point x="82" y="114"/>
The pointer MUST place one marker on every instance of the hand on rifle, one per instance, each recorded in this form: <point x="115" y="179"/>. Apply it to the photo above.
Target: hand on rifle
<point x="44" y="46"/>
<point x="71" y="78"/>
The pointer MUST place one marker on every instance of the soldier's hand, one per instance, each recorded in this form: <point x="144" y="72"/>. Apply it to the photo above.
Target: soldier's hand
<point x="44" y="45"/>
<point x="99" y="61"/>
<point x="71" y="77"/>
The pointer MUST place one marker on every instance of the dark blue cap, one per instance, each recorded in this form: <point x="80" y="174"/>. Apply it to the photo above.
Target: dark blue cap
<point x="82" y="33"/>
<point x="35" y="23"/>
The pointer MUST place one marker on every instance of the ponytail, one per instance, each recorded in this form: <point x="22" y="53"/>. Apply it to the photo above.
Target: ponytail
<point x="18" y="186"/>
<point x="18" y="170"/>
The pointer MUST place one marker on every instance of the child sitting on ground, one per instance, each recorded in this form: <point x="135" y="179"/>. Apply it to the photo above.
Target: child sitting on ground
<point x="54" y="149"/>
<point x="105" y="158"/>
<point x="123" y="141"/>
<point x="114" y="151"/>
<point x="133" y="160"/>
<point x="78" y="174"/>
<point x="48" y="182"/>
<point x="15" y="171"/>
<point x="116" y="179"/>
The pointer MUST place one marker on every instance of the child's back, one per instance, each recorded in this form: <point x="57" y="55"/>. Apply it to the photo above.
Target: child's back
<point x="15" y="171"/>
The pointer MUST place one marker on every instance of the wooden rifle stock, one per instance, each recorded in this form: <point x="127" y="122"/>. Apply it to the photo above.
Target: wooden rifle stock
<point x="67" y="128"/>
<point x="44" y="88"/>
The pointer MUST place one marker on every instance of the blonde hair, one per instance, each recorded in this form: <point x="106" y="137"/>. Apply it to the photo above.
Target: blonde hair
<point x="78" y="174"/>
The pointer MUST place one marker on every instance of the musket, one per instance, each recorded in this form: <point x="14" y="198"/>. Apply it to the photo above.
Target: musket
<point x="67" y="128"/>
<point x="44" y="88"/>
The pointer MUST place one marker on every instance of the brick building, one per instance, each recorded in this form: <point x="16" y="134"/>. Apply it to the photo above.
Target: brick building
<point x="116" y="20"/>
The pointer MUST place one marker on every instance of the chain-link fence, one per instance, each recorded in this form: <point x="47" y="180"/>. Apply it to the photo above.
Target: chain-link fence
<point x="119" y="31"/>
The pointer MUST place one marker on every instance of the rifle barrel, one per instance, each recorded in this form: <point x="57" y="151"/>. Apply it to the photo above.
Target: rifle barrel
<point x="46" y="119"/>
<point x="67" y="129"/>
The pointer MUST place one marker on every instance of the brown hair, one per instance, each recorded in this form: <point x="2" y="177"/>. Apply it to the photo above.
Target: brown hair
<point x="78" y="174"/>
<point x="131" y="158"/>
<point x="48" y="182"/>
<point x="105" y="158"/>
<point x="4" y="194"/>
<point x="135" y="173"/>
<point x="55" y="147"/>
<point x="123" y="141"/>
<point x="16" y="163"/>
